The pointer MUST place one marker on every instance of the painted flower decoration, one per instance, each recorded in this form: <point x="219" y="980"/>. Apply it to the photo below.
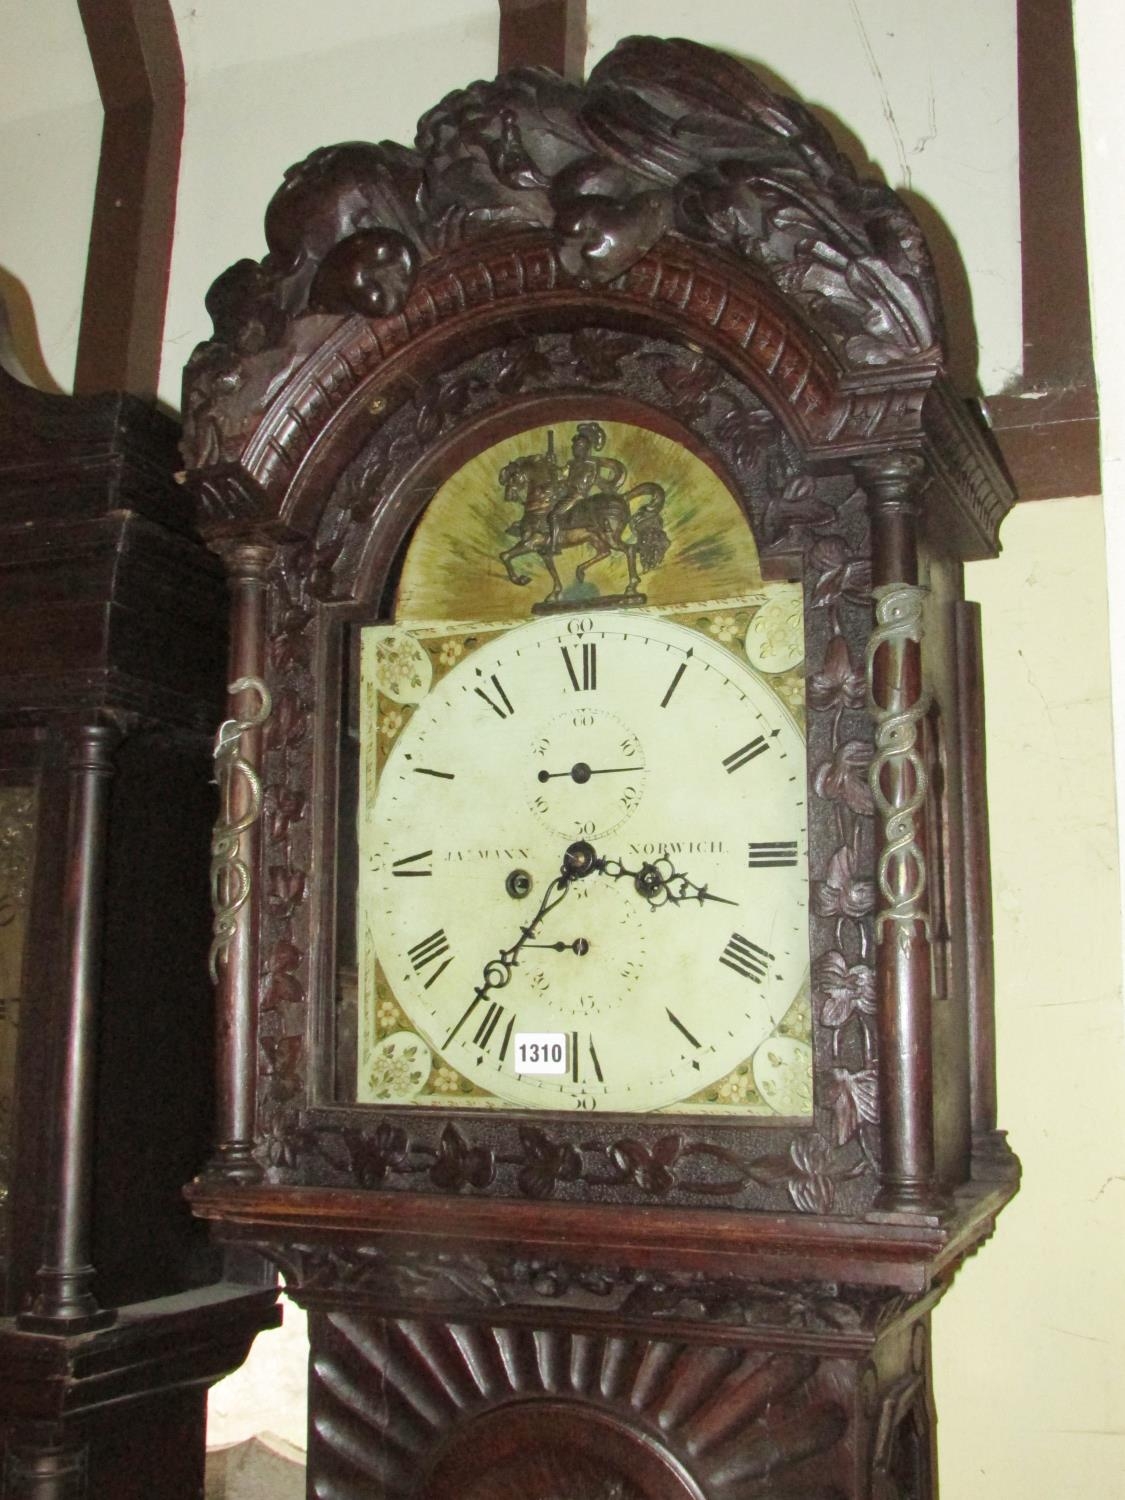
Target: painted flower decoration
<point x="735" y="1087"/>
<point x="451" y="652"/>
<point x="396" y="659"/>
<point x="445" y="1080"/>
<point x="390" y="723"/>
<point x="388" y="1017"/>
<point x="399" y="1068"/>
<point x="838" y="684"/>
<point x="724" y="628"/>
<point x="844" y="777"/>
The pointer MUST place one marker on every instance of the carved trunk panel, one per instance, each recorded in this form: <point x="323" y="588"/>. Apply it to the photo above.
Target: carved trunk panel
<point x="471" y="1411"/>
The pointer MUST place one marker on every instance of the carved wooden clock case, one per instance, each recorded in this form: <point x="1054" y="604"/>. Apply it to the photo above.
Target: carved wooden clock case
<point x="604" y="699"/>
<point x="117" y="1314"/>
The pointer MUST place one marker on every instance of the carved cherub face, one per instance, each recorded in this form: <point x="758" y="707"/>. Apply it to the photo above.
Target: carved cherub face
<point x="370" y="272"/>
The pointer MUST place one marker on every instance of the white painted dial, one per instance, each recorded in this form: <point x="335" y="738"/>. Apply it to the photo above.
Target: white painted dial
<point x="677" y="776"/>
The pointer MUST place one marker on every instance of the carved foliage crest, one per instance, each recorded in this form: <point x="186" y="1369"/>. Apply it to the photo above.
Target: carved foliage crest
<point x="666" y="138"/>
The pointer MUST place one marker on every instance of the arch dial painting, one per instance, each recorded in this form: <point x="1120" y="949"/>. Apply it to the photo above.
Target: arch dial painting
<point x="582" y="814"/>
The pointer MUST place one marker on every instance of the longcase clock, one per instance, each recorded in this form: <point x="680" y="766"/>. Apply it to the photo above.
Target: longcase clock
<point x="115" y="1312"/>
<point x="601" y="888"/>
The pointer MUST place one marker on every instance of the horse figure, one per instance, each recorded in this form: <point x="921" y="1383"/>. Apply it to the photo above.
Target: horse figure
<point x="603" y="519"/>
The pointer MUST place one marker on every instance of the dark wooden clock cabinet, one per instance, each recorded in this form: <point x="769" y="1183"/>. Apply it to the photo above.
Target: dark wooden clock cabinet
<point x="702" y="1300"/>
<point x="117" y="1315"/>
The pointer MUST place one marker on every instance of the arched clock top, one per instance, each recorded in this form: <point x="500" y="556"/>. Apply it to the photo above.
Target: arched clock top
<point x="672" y="196"/>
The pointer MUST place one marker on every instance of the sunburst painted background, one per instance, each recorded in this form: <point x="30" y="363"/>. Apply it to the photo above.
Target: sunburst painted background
<point x="453" y="571"/>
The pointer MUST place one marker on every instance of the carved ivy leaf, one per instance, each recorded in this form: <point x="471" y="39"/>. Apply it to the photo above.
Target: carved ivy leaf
<point x="440" y="403"/>
<point x="285" y="891"/>
<point x="841" y="893"/>
<point x="282" y="1066"/>
<point x="522" y="361"/>
<point x="460" y="1165"/>
<point x="838" y="684"/>
<point x="546" y="1163"/>
<point x="771" y="1171"/>
<point x="652" y="1169"/>
<point x="289" y="722"/>
<point x="852" y="1097"/>
<point x="797" y="511"/>
<point x="281" y="987"/>
<point x="285" y="1140"/>
<point x="745" y="430"/>
<point x="288" y="647"/>
<point x="373" y="1156"/>
<point x="598" y="353"/>
<point x="689" y="386"/>
<point x="838" y="576"/>
<point x="842" y="989"/>
<point x="284" y="807"/>
<point x="844" y="777"/>
<point x="811" y="1187"/>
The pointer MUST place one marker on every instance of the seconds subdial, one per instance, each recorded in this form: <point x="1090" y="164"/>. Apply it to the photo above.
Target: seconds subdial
<point x="586" y="773"/>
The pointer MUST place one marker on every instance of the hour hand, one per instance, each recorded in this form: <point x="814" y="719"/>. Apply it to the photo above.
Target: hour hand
<point x="661" y="884"/>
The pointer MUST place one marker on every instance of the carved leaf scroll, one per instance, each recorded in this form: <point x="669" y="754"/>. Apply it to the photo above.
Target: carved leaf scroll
<point x="667" y="138"/>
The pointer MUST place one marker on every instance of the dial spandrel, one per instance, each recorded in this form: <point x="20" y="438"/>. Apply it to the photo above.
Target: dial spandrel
<point x="671" y="956"/>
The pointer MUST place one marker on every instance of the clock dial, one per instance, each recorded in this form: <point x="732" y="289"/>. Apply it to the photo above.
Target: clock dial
<point x="592" y="828"/>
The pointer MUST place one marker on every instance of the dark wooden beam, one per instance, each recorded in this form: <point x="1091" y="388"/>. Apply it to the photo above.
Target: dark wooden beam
<point x="136" y="56"/>
<point x="1047" y="426"/>
<point x="545" y="34"/>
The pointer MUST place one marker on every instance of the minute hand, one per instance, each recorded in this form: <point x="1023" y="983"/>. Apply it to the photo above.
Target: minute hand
<point x="661" y="884"/>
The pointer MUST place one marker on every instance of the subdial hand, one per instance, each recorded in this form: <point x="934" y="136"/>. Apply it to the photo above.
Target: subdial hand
<point x="579" y="861"/>
<point x="581" y="772"/>
<point x="580" y="946"/>
<point x="661" y="884"/>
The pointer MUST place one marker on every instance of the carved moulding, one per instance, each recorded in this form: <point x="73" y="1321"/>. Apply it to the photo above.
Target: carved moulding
<point x="666" y="138"/>
<point x="251" y="424"/>
<point x="829" y="1316"/>
<point x="674" y="190"/>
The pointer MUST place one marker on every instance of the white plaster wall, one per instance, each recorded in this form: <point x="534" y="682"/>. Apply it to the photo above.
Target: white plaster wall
<point x="924" y="89"/>
<point x="1029" y="1346"/>
<point x="1100" y="45"/>
<point x="50" y="134"/>
<point x="265" y="86"/>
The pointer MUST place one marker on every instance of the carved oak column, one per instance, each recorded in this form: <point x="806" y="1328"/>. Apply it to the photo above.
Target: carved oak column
<point x="235" y="866"/>
<point x="898" y="702"/>
<point x="63" y="1300"/>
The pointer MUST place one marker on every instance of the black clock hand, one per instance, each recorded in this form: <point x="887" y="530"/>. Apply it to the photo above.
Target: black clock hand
<point x="581" y="772"/>
<point x="661" y="884"/>
<point x="578" y="861"/>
